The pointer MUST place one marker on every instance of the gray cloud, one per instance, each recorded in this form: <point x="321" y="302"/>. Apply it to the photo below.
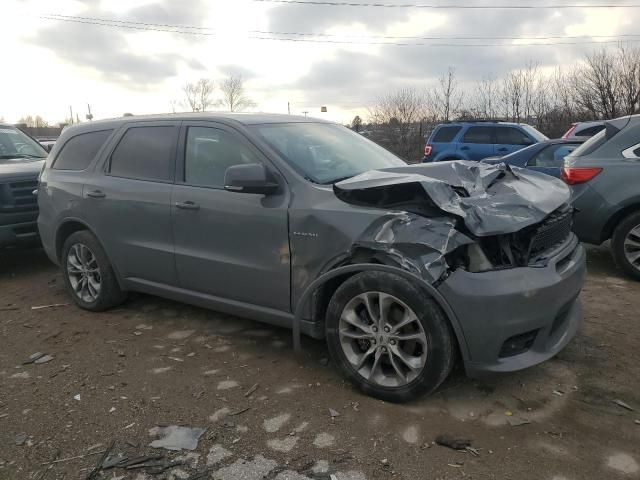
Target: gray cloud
<point x="236" y="70"/>
<point x="105" y="49"/>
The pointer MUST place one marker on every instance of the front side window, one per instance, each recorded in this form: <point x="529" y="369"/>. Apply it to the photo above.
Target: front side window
<point x="208" y="154"/>
<point x="325" y="153"/>
<point x="145" y="153"/>
<point x="511" y="136"/>
<point x="479" y="135"/>
<point x="79" y="151"/>
<point x="16" y="147"/>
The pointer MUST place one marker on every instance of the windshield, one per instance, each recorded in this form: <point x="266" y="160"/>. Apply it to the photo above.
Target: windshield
<point x="539" y="137"/>
<point x="325" y="153"/>
<point x="15" y="146"/>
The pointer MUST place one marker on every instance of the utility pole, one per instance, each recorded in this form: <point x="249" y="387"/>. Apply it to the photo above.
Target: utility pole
<point x="288" y="108"/>
<point x="305" y="113"/>
<point x="71" y="114"/>
<point x="89" y="115"/>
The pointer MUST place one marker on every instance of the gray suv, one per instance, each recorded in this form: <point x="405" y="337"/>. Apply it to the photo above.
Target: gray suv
<point x="604" y="174"/>
<point x="307" y="225"/>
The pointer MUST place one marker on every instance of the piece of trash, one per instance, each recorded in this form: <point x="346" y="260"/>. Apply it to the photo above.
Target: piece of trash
<point x="137" y="334"/>
<point x="637" y="422"/>
<point x="558" y="393"/>
<point x="93" y="447"/>
<point x="43" y="359"/>
<point x="453" y="443"/>
<point x="624" y="405"/>
<point x="114" y="461"/>
<point x="239" y="412"/>
<point x="175" y="437"/>
<point x="252" y="389"/>
<point x="76" y="397"/>
<point x="456" y="465"/>
<point x="112" y="409"/>
<point x="509" y="413"/>
<point x="473" y="451"/>
<point x="33" y="358"/>
<point x="426" y="445"/>
<point x="334" y="413"/>
<point x="53" y="305"/>
<point x="176" y="359"/>
<point x="20" y="439"/>
<point x="517" y="422"/>
<point x="129" y="426"/>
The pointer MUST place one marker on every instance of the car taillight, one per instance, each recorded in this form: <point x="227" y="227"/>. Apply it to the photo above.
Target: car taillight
<point x="427" y="150"/>
<point x="570" y="131"/>
<point x="574" y="176"/>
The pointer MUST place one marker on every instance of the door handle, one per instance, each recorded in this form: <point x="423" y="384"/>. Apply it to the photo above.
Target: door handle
<point x="96" y="194"/>
<point x="188" y="205"/>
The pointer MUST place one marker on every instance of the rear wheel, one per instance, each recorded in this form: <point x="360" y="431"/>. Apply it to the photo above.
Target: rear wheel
<point x="625" y="245"/>
<point x="88" y="275"/>
<point x="388" y="337"/>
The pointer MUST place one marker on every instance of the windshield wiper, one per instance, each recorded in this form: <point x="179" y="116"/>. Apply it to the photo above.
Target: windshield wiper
<point x="339" y="179"/>
<point x="19" y="155"/>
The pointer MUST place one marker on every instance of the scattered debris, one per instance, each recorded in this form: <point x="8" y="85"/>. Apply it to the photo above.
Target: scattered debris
<point x="558" y="393"/>
<point x="239" y="412"/>
<point x="324" y="361"/>
<point x="94" y="472"/>
<point x="509" y="413"/>
<point x="33" y="358"/>
<point x="453" y="443"/>
<point x="53" y="305"/>
<point x="76" y="397"/>
<point x="472" y="451"/>
<point x="20" y="439"/>
<point x="251" y="390"/>
<point x="129" y="426"/>
<point x="624" y="405"/>
<point x="517" y="422"/>
<point x="44" y="359"/>
<point x="637" y="422"/>
<point x="175" y="437"/>
<point x="334" y="413"/>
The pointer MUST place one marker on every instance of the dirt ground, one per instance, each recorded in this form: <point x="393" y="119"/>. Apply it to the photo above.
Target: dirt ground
<point x="116" y="376"/>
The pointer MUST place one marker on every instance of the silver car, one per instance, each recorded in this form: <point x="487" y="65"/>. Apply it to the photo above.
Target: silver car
<point x="305" y="224"/>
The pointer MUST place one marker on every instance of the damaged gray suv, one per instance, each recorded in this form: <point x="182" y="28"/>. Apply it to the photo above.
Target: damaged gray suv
<point x="304" y="224"/>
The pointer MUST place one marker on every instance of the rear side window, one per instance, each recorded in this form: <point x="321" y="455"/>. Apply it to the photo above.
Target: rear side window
<point x="589" y="132"/>
<point x="145" y="153"/>
<point x="79" y="151"/>
<point x="511" y="136"/>
<point x="552" y="156"/>
<point x="479" y="135"/>
<point x="590" y="145"/>
<point x="445" y="134"/>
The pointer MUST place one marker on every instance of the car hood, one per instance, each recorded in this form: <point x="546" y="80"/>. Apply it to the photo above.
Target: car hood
<point x="490" y="199"/>
<point x="21" y="168"/>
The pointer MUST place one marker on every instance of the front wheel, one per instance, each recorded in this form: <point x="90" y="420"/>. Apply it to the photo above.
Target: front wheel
<point x="625" y="245"/>
<point x="388" y="337"/>
<point x="88" y="275"/>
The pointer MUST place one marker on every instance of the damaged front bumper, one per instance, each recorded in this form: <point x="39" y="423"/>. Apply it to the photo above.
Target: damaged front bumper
<point x="516" y="318"/>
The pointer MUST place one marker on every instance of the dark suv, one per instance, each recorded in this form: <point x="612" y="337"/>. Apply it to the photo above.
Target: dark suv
<point x="306" y="224"/>
<point x="21" y="160"/>
<point x="476" y="140"/>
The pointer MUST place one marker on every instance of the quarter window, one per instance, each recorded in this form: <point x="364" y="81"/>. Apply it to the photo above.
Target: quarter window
<point x="208" y="154"/>
<point x="445" y="134"/>
<point x="479" y="135"/>
<point x="79" y="151"/>
<point x="552" y="156"/>
<point x="145" y="153"/>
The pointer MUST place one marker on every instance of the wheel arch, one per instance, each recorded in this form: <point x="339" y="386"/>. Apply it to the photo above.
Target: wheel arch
<point x="617" y="217"/>
<point x="323" y="288"/>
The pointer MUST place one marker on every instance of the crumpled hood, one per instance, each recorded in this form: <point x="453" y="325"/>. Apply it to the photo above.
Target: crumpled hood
<point x="490" y="199"/>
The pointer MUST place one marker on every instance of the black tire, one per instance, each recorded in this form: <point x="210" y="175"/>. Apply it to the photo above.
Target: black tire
<point x="441" y="347"/>
<point x="110" y="294"/>
<point x="618" y="248"/>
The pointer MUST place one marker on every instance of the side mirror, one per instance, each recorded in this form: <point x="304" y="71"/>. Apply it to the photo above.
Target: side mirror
<point x="250" y="178"/>
<point x="527" y="141"/>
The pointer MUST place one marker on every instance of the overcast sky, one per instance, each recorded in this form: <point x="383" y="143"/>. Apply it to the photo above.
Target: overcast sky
<point x="48" y="65"/>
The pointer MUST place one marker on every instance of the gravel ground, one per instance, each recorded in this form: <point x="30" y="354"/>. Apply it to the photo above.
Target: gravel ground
<point x="116" y="379"/>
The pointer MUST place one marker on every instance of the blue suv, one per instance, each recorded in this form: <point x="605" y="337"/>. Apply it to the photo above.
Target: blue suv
<point x="475" y="140"/>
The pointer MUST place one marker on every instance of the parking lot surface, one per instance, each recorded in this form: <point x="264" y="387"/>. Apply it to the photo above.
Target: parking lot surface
<point x="110" y="382"/>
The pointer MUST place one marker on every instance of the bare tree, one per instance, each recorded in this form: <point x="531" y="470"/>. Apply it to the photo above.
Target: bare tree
<point x="356" y="123"/>
<point x="233" y="94"/>
<point x="446" y="96"/>
<point x="487" y="97"/>
<point x="34" y="122"/>
<point x="398" y="115"/>
<point x="199" y="95"/>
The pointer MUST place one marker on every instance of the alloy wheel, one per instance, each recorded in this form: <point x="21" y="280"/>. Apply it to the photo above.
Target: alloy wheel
<point x="84" y="273"/>
<point x="632" y="247"/>
<point x="383" y="339"/>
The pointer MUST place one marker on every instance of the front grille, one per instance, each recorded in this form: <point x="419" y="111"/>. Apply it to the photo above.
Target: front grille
<point x="18" y="196"/>
<point x="554" y="231"/>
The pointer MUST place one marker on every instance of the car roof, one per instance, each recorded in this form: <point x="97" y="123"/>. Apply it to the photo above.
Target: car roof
<point x="480" y="122"/>
<point x="224" y="117"/>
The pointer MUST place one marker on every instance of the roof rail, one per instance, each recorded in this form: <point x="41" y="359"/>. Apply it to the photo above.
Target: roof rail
<point x="479" y="120"/>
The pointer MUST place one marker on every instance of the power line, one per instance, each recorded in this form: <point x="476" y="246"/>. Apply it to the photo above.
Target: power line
<point x="141" y="26"/>
<point x="449" y="7"/>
